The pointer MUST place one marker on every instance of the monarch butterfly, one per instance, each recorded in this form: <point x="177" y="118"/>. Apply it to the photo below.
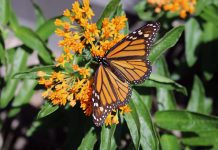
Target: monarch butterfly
<point x="124" y="64"/>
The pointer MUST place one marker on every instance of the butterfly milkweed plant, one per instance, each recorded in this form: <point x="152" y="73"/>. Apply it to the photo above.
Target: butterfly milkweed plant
<point x="143" y="77"/>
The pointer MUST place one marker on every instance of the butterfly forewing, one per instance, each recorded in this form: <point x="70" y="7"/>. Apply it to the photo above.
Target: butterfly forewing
<point x="109" y="93"/>
<point x="128" y="58"/>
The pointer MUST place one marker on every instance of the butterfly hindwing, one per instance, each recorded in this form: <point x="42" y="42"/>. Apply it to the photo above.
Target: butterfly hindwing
<point x="109" y="93"/>
<point x="128" y="58"/>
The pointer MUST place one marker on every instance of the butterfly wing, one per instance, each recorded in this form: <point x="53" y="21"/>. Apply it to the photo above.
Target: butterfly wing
<point x="128" y="58"/>
<point x="109" y="92"/>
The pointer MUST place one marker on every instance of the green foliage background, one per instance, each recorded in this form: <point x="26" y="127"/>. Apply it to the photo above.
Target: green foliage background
<point x="175" y="109"/>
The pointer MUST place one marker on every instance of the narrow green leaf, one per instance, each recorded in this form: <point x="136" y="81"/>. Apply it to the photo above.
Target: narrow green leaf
<point x="107" y="133"/>
<point x="147" y="100"/>
<point x="145" y="14"/>
<point x="148" y="138"/>
<point x="163" y="82"/>
<point x="4" y="11"/>
<point x="46" y="29"/>
<point x="25" y="93"/>
<point x="40" y="18"/>
<point x="209" y="14"/>
<point x="2" y="50"/>
<point x="200" y="141"/>
<point x="88" y="141"/>
<point x="108" y="11"/>
<point x="13" y="19"/>
<point x="196" y="101"/>
<point x="32" y="40"/>
<point x="133" y="125"/>
<point x="169" y="142"/>
<point x="19" y="63"/>
<point x="192" y="39"/>
<point x="208" y="105"/>
<point x="32" y="73"/>
<point x="185" y="121"/>
<point x="46" y="110"/>
<point x="166" y="42"/>
<point x="165" y="97"/>
<point x="13" y="112"/>
<point x="200" y="6"/>
<point x="33" y="128"/>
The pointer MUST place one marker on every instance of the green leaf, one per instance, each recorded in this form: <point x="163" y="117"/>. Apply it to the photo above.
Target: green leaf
<point x="169" y="142"/>
<point x="166" y="42"/>
<point x="165" y="98"/>
<point x="46" y="110"/>
<point x="196" y="101"/>
<point x="107" y="134"/>
<point x="209" y="32"/>
<point x="205" y="138"/>
<point x="32" y="40"/>
<point x="40" y="18"/>
<point x="200" y="141"/>
<point x="208" y="105"/>
<point x="25" y="93"/>
<point x="145" y="14"/>
<point x="133" y="125"/>
<point x="89" y="140"/>
<point x="158" y="81"/>
<point x="200" y="6"/>
<point x="4" y="11"/>
<point x="33" y="128"/>
<point x="108" y="11"/>
<point x="19" y="63"/>
<point x="13" y="19"/>
<point x="209" y="14"/>
<point x="148" y="135"/>
<point x="192" y="39"/>
<point x="32" y="73"/>
<point x="47" y="29"/>
<point x="185" y="121"/>
<point x="2" y="50"/>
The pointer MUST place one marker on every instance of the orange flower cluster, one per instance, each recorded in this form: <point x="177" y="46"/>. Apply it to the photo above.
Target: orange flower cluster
<point x="86" y="33"/>
<point x="183" y="7"/>
<point x="62" y="88"/>
<point x="80" y="34"/>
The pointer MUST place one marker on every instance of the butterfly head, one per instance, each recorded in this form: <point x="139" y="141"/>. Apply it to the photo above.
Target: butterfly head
<point x="101" y="60"/>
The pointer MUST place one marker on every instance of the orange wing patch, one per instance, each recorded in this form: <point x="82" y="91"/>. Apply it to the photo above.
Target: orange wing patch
<point x="108" y="94"/>
<point x="134" y="70"/>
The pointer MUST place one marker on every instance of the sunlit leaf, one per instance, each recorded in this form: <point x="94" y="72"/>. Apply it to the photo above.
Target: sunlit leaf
<point x="169" y="142"/>
<point x="192" y="39"/>
<point x="148" y="135"/>
<point x="185" y="121"/>
<point x="107" y="133"/>
<point x="46" y="29"/>
<point x="196" y="101"/>
<point x="32" y="73"/>
<point x="25" y="93"/>
<point x="165" y="98"/>
<point x="209" y="14"/>
<point x="18" y="64"/>
<point x="4" y="11"/>
<point x="46" y="110"/>
<point x="133" y="125"/>
<point x="166" y="42"/>
<point x="40" y="18"/>
<point x="158" y="81"/>
<point x="88" y="141"/>
<point x="31" y="39"/>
